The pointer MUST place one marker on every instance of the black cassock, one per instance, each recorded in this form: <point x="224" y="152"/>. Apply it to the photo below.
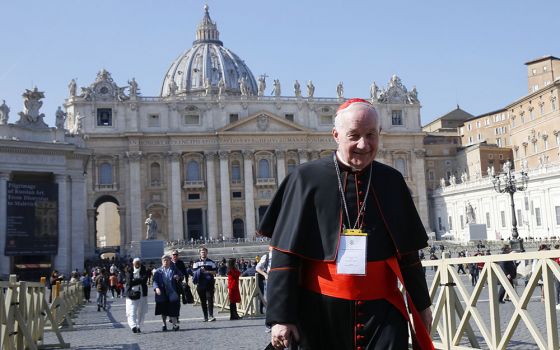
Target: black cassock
<point x="304" y="221"/>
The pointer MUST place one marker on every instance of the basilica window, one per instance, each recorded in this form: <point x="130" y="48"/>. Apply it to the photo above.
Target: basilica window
<point x="291" y="165"/>
<point x="541" y="105"/>
<point x="235" y="171"/>
<point x="192" y="119"/>
<point x="105" y="174"/>
<point x="233" y="117"/>
<point x="503" y="218"/>
<point x="553" y="103"/>
<point x="264" y="169"/>
<point x="289" y="117"/>
<point x="538" y="218"/>
<point x="450" y="222"/>
<point x="396" y="117"/>
<point x="104" y="117"/>
<point x="326" y="120"/>
<point x="155" y="174"/>
<point x="488" y="220"/>
<point x="557" y="211"/>
<point x="400" y="165"/>
<point x="193" y="171"/>
<point x="461" y="219"/>
<point x="153" y="120"/>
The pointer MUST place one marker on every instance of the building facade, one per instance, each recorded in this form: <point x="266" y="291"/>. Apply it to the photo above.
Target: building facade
<point x="206" y="155"/>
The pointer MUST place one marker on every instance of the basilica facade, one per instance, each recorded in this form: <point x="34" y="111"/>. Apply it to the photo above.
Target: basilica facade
<point x="206" y="156"/>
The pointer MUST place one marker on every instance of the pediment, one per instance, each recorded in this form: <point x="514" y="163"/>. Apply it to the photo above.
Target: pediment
<point x="263" y="122"/>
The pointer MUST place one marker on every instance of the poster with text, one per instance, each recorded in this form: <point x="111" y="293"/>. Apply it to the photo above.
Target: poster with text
<point x="32" y="218"/>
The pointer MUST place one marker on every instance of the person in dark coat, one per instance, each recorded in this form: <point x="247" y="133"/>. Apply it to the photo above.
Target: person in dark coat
<point x="204" y="272"/>
<point x="344" y="229"/>
<point x="510" y="270"/>
<point x="167" y="294"/>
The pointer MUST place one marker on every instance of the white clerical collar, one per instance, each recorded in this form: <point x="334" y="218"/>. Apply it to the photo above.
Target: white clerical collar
<point x="339" y="158"/>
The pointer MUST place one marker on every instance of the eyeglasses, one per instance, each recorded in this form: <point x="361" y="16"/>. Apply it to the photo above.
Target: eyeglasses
<point x="174" y="254"/>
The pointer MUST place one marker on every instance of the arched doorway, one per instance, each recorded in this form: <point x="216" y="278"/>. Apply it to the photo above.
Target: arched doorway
<point x="238" y="228"/>
<point x="107" y="223"/>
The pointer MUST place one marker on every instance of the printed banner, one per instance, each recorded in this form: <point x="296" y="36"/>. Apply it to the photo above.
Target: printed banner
<point x="32" y="218"/>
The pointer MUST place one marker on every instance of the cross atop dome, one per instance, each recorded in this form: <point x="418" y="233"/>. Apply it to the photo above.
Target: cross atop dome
<point x="207" y="31"/>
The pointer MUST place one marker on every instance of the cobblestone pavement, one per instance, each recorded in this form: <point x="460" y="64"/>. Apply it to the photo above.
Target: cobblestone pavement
<point x="109" y="330"/>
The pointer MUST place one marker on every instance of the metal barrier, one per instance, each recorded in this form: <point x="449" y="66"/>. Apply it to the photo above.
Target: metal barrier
<point x="25" y="313"/>
<point x="454" y="307"/>
<point x="248" y="288"/>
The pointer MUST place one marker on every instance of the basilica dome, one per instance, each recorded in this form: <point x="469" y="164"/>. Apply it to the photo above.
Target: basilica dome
<point x="208" y="66"/>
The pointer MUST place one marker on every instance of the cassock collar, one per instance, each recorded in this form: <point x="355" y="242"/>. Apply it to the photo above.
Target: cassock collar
<point x="348" y="169"/>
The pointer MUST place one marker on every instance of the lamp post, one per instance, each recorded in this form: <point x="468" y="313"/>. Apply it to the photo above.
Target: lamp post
<point x="506" y="182"/>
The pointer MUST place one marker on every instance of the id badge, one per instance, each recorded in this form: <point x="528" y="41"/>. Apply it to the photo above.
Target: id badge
<point x="351" y="257"/>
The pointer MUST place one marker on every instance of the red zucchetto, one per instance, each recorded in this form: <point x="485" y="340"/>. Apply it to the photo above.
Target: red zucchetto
<point x="350" y="101"/>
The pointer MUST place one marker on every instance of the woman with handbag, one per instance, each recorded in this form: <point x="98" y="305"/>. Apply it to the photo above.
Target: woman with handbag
<point x="167" y="295"/>
<point x="136" y="295"/>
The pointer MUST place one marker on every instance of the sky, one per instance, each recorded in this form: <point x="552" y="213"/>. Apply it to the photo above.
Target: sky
<point x="470" y="53"/>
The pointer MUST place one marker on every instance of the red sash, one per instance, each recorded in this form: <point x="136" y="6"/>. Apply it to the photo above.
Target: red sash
<point x="380" y="282"/>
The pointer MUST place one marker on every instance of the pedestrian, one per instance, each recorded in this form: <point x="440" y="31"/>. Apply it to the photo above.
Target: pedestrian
<point x="233" y="289"/>
<point x="113" y="284"/>
<point x="460" y="266"/>
<point x="263" y="268"/>
<point x="534" y="270"/>
<point x="102" y="286"/>
<point x="510" y="270"/>
<point x="474" y="272"/>
<point x="557" y="282"/>
<point x="166" y="280"/>
<point x="136" y="295"/>
<point x="204" y="272"/>
<point x="86" y="284"/>
<point x="344" y="229"/>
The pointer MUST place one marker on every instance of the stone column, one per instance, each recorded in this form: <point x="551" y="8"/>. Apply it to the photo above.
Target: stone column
<point x="125" y="242"/>
<point x="4" y="260"/>
<point x="63" y="257"/>
<point x="137" y="228"/>
<point x="302" y="156"/>
<point x="176" y="229"/>
<point x="225" y="195"/>
<point x="280" y="165"/>
<point x="419" y="177"/>
<point x="249" y="193"/>
<point x="92" y="239"/>
<point x="79" y="221"/>
<point x="211" y="195"/>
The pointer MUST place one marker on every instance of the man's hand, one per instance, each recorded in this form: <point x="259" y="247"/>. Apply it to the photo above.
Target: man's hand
<point x="158" y="291"/>
<point x="426" y="316"/>
<point x="282" y="335"/>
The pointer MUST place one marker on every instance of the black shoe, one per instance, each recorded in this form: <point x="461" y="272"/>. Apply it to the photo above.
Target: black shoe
<point x="98" y="308"/>
<point x="212" y="319"/>
<point x="138" y="330"/>
<point x="205" y="320"/>
<point x="175" y="328"/>
<point x="502" y="302"/>
<point x="134" y="330"/>
<point x="164" y="328"/>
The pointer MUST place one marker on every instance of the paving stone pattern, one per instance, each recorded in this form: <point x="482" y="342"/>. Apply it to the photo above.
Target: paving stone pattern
<point x="109" y="330"/>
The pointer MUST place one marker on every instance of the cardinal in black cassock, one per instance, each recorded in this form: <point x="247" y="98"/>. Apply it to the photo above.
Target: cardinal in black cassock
<point x="310" y="305"/>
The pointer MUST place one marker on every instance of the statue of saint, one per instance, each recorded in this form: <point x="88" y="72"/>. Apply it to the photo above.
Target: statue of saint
<point x="276" y="91"/>
<point x="4" y="113"/>
<point x="262" y="85"/>
<point x="471" y="218"/>
<point x="373" y="92"/>
<point x="243" y="86"/>
<point x="133" y="86"/>
<point x="310" y="89"/>
<point x="60" y="118"/>
<point x="151" y="228"/>
<point x="72" y="88"/>
<point x="442" y="182"/>
<point x="452" y="180"/>
<point x="340" y="90"/>
<point x="297" y="89"/>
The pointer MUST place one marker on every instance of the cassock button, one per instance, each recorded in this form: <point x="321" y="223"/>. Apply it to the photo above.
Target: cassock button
<point x="360" y="326"/>
<point x="361" y="202"/>
<point x="360" y="348"/>
<point x="360" y="302"/>
<point x="361" y="193"/>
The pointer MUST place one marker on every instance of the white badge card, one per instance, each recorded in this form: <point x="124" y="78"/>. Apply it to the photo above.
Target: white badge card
<point x="351" y="257"/>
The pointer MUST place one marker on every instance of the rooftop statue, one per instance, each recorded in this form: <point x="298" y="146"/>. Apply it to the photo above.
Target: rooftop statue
<point x="172" y="88"/>
<point x="243" y="86"/>
<point x="72" y="88"/>
<point x="32" y="103"/>
<point x="4" y="113"/>
<point x="297" y="89"/>
<point x="221" y="87"/>
<point x="207" y="87"/>
<point x="276" y="90"/>
<point x="262" y="85"/>
<point x="374" y="92"/>
<point x="133" y="86"/>
<point x="310" y="89"/>
<point x="60" y="118"/>
<point x="340" y="90"/>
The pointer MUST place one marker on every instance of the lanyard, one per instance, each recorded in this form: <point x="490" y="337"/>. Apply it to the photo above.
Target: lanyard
<point x="341" y="189"/>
